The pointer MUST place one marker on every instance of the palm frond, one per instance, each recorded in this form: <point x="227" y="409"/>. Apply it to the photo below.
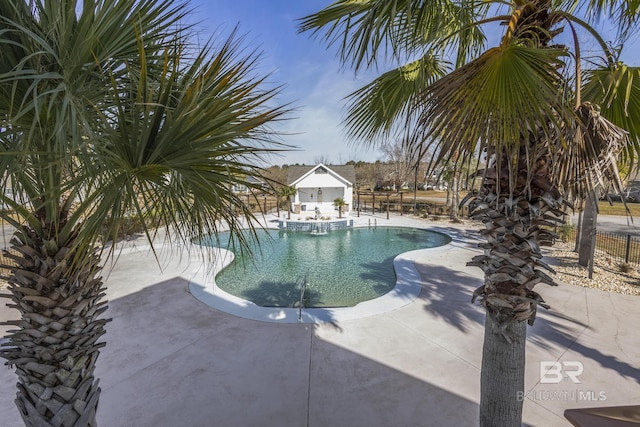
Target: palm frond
<point x="624" y="12"/>
<point x="55" y="62"/>
<point x="376" y="107"/>
<point x="179" y="144"/>
<point x="590" y="159"/>
<point x="616" y="90"/>
<point x="494" y="101"/>
<point x="365" y="28"/>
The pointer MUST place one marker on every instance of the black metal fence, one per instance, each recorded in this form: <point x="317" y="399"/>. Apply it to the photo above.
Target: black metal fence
<point x="623" y="247"/>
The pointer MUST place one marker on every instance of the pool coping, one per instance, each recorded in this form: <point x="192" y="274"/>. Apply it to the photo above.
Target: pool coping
<point x="408" y="286"/>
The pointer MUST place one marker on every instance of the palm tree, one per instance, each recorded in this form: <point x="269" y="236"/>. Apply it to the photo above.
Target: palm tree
<point x="451" y="175"/>
<point x="339" y="203"/>
<point x="549" y="130"/>
<point x="108" y="111"/>
<point x="287" y="191"/>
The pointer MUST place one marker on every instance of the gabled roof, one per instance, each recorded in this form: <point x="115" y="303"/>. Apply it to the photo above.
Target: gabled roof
<point x="346" y="172"/>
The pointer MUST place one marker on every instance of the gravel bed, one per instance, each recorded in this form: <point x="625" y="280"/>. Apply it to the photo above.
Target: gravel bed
<point x="609" y="274"/>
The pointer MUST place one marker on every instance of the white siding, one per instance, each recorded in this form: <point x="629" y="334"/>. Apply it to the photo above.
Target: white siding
<point x="332" y="188"/>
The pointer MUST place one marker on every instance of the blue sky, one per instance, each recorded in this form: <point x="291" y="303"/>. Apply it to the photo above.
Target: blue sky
<point x="313" y="78"/>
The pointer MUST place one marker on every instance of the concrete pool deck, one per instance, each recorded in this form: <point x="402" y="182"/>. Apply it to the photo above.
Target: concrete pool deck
<point x="173" y="361"/>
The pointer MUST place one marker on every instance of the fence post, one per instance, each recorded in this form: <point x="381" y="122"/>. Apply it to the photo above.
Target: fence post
<point x="387" y="205"/>
<point x="627" y="250"/>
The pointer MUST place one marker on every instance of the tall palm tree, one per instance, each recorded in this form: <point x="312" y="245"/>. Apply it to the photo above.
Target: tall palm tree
<point x="108" y="111"/>
<point x="549" y="130"/>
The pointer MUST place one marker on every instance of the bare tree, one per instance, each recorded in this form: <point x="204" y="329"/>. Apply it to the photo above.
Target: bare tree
<point x="368" y="174"/>
<point x="400" y="158"/>
<point x="324" y="159"/>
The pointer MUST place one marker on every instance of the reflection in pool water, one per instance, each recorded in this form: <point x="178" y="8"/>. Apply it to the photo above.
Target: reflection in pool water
<point x="344" y="267"/>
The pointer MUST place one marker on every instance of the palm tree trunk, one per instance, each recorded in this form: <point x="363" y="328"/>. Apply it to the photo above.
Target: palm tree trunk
<point x="588" y="230"/>
<point x="515" y="228"/>
<point x="512" y="266"/>
<point x="502" y="374"/>
<point x="578" y="231"/>
<point x="455" y="195"/>
<point x="54" y="347"/>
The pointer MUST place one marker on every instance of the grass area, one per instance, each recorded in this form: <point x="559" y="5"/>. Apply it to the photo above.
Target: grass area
<point x="604" y="207"/>
<point x="618" y="209"/>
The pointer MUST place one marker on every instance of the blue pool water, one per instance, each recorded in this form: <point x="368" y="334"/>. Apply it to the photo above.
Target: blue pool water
<point x="344" y="267"/>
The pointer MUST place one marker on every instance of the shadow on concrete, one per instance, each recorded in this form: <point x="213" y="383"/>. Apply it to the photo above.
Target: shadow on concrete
<point x="349" y="389"/>
<point x="171" y="360"/>
<point x="468" y="236"/>
<point x="447" y="295"/>
<point x="549" y="328"/>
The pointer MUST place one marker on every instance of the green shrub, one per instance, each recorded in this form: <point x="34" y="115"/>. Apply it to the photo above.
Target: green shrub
<point x="566" y="232"/>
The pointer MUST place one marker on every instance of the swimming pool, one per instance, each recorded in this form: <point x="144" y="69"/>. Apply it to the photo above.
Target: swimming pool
<point x="344" y="267"/>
